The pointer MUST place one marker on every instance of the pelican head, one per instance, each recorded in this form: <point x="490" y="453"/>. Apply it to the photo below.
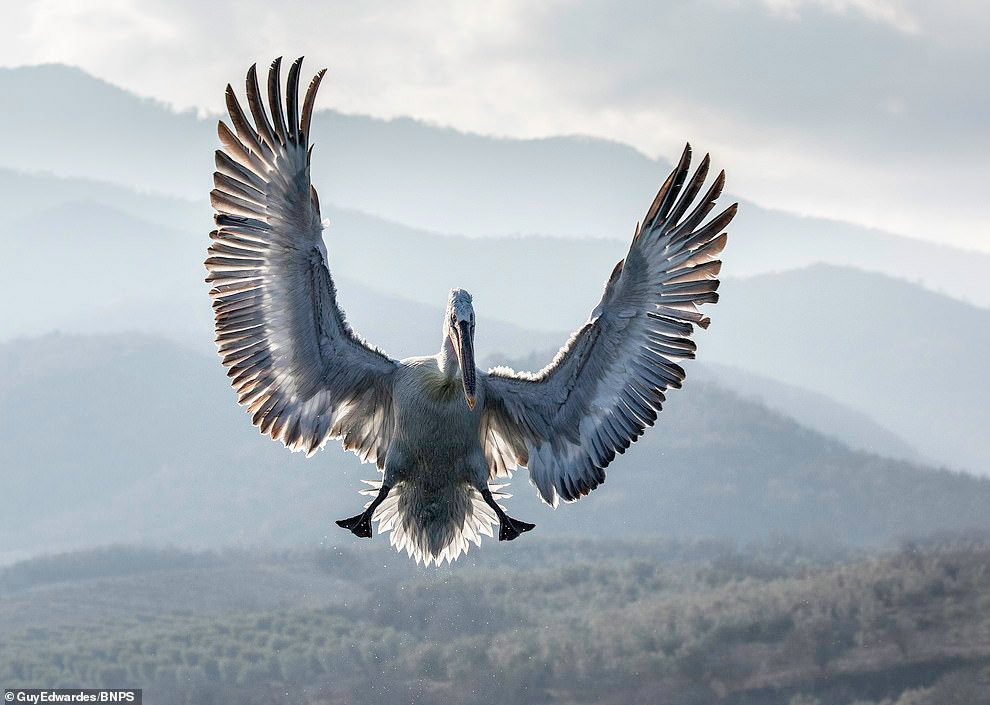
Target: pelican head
<point x="458" y="328"/>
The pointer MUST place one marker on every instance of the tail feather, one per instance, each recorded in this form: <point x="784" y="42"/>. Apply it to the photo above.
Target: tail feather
<point x="434" y="527"/>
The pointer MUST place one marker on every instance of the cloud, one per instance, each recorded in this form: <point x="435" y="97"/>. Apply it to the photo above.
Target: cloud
<point x="866" y="110"/>
<point x="890" y="12"/>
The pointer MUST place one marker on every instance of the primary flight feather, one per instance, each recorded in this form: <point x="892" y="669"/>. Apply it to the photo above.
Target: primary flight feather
<point x="440" y="431"/>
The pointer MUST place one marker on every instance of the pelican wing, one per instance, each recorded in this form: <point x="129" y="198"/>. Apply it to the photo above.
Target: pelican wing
<point x="303" y="374"/>
<point x="607" y="384"/>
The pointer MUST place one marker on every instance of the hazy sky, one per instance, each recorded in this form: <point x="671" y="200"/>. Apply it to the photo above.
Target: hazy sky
<point x="874" y="111"/>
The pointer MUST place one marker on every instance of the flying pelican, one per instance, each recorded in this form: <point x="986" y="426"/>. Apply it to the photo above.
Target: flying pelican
<point x="440" y="431"/>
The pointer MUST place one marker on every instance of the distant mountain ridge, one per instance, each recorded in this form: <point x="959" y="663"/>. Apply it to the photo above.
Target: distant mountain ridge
<point x="437" y="179"/>
<point x="109" y="271"/>
<point x="914" y="360"/>
<point x="112" y="266"/>
<point x="812" y="410"/>
<point x="170" y="459"/>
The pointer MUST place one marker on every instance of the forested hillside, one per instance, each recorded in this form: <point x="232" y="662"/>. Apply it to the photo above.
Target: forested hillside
<point x="568" y="622"/>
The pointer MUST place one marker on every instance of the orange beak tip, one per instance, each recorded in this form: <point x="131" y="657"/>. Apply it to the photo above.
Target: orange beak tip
<point x="471" y="402"/>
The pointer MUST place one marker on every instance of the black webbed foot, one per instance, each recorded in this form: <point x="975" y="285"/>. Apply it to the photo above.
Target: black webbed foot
<point x="510" y="528"/>
<point x="360" y="525"/>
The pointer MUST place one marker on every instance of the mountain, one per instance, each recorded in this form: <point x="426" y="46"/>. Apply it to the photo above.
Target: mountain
<point x="109" y="271"/>
<point x="912" y="359"/>
<point x="132" y="438"/>
<point x="75" y="264"/>
<point x="27" y="194"/>
<point x="814" y="410"/>
<point x="437" y="179"/>
<point x="131" y="241"/>
<point x="95" y="130"/>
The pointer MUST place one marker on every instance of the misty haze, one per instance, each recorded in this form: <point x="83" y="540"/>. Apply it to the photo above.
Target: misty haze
<point x="808" y="523"/>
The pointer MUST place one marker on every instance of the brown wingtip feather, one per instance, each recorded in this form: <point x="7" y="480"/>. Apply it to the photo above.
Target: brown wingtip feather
<point x="292" y="99"/>
<point x="275" y="100"/>
<point x="655" y="206"/>
<point x="308" y="102"/>
<point x="616" y="271"/>
<point x="314" y="197"/>
<point x="671" y="186"/>
<point x="720" y="181"/>
<point x="264" y="127"/>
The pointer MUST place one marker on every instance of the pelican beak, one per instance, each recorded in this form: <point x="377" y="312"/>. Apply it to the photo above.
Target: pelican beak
<point x="465" y="353"/>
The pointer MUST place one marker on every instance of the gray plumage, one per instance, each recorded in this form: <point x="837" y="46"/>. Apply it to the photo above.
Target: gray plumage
<point x="438" y="429"/>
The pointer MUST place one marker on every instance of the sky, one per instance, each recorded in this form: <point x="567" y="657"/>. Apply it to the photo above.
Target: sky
<point x="870" y="111"/>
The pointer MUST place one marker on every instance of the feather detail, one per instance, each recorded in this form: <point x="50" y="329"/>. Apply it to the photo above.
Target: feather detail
<point x="567" y="422"/>
<point x="296" y="365"/>
<point x="400" y="516"/>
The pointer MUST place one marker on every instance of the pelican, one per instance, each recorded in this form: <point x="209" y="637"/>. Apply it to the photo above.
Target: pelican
<point x="441" y="432"/>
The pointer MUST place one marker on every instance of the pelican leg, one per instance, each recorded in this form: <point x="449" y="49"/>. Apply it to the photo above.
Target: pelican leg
<point x="360" y="525"/>
<point x="508" y="528"/>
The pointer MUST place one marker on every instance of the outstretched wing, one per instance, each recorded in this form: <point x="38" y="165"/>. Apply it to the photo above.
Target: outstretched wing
<point x="298" y="367"/>
<point x="606" y="386"/>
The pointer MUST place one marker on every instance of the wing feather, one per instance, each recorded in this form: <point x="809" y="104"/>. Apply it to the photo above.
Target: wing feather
<point x="307" y="113"/>
<point x="292" y="106"/>
<point x="257" y="107"/>
<point x="275" y="100"/>
<point x="295" y="363"/>
<point x="606" y="386"/>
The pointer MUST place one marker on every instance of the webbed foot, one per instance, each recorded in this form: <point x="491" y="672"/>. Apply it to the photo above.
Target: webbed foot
<point x="509" y="528"/>
<point x="360" y="525"/>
